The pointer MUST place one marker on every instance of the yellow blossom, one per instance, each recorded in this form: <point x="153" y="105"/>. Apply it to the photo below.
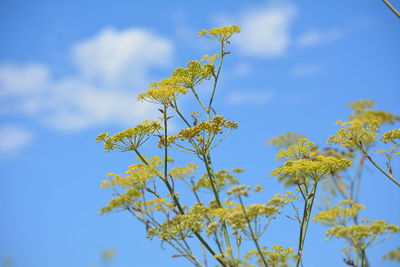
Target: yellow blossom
<point x="221" y="34"/>
<point x="164" y="92"/>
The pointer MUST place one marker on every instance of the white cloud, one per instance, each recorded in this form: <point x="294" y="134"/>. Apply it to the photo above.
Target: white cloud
<point x="13" y="139"/>
<point x="112" y="68"/>
<point x="113" y="56"/>
<point x="265" y="29"/>
<point x="25" y="80"/>
<point x="304" y="70"/>
<point x="315" y="37"/>
<point x="249" y="97"/>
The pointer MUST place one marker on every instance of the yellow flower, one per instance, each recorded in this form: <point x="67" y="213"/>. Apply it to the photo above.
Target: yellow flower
<point x="222" y="33"/>
<point x="164" y="92"/>
<point x="131" y="138"/>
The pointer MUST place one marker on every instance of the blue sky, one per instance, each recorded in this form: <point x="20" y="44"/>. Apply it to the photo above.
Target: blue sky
<point x="69" y="70"/>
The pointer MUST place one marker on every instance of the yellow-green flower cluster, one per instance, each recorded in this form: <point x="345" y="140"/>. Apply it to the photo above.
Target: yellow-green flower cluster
<point x="202" y="135"/>
<point x="304" y="161"/>
<point x="359" y="236"/>
<point x="284" y="140"/>
<point x="221" y="34"/>
<point x="181" y="226"/>
<point x="194" y="74"/>
<point x="391" y="136"/>
<point x="362" y="110"/>
<point x="222" y="178"/>
<point x="239" y="190"/>
<point x="122" y="202"/>
<point x="277" y="256"/>
<point x="355" y="132"/>
<point x="108" y="254"/>
<point x="363" y="235"/>
<point x="212" y="228"/>
<point x="164" y="92"/>
<point x="340" y="214"/>
<point x="210" y="59"/>
<point x="183" y="172"/>
<point x="393" y="255"/>
<point x="213" y="127"/>
<point x="132" y="184"/>
<point x="232" y="213"/>
<point x="129" y="139"/>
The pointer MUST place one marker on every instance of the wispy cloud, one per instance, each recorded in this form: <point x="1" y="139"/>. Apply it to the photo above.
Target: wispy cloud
<point x="13" y="139"/>
<point x="316" y="37"/>
<point x="259" y="97"/>
<point x="111" y="68"/>
<point x="265" y="29"/>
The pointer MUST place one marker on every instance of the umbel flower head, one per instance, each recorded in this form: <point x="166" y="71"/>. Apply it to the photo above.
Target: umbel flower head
<point x="197" y="135"/>
<point x="304" y="162"/>
<point x="340" y="214"/>
<point x="194" y="74"/>
<point x="164" y="92"/>
<point x="391" y="136"/>
<point x="355" y="132"/>
<point x="129" y="139"/>
<point x="221" y="34"/>
<point x="362" y="109"/>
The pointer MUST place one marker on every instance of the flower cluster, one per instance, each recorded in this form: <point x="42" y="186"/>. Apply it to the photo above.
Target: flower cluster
<point x="277" y="256"/>
<point x="221" y="178"/>
<point x="363" y="235"/>
<point x="201" y="136"/>
<point x="180" y="226"/>
<point x="340" y="214"/>
<point x="393" y="255"/>
<point x="221" y="34"/>
<point x="362" y="110"/>
<point x="355" y="132"/>
<point x="359" y="236"/>
<point x="129" y="139"/>
<point x="132" y="184"/>
<point x="303" y="162"/>
<point x="391" y="136"/>
<point x="194" y="74"/>
<point x="285" y="140"/>
<point x="165" y="91"/>
<point x="232" y="213"/>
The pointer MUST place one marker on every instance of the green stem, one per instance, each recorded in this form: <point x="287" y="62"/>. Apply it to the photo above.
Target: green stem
<point x="308" y="204"/>
<point x="207" y="162"/>
<point x="397" y="13"/>
<point x="181" y="211"/>
<point x="253" y="236"/>
<point x="216" y="77"/>
<point x="377" y="166"/>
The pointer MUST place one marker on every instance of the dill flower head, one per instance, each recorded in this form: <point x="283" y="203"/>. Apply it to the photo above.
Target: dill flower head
<point x="194" y="74"/>
<point x="363" y="235"/>
<point x="129" y="139"/>
<point x="222" y="178"/>
<point x="391" y="136"/>
<point x="180" y="226"/>
<point x="277" y="256"/>
<point x="221" y="34"/>
<point x="362" y="109"/>
<point x="393" y="255"/>
<point x="303" y="162"/>
<point x="355" y="132"/>
<point x="164" y="92"/>
<point x="340" y="214"/>
<point x="284" y="140"/>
